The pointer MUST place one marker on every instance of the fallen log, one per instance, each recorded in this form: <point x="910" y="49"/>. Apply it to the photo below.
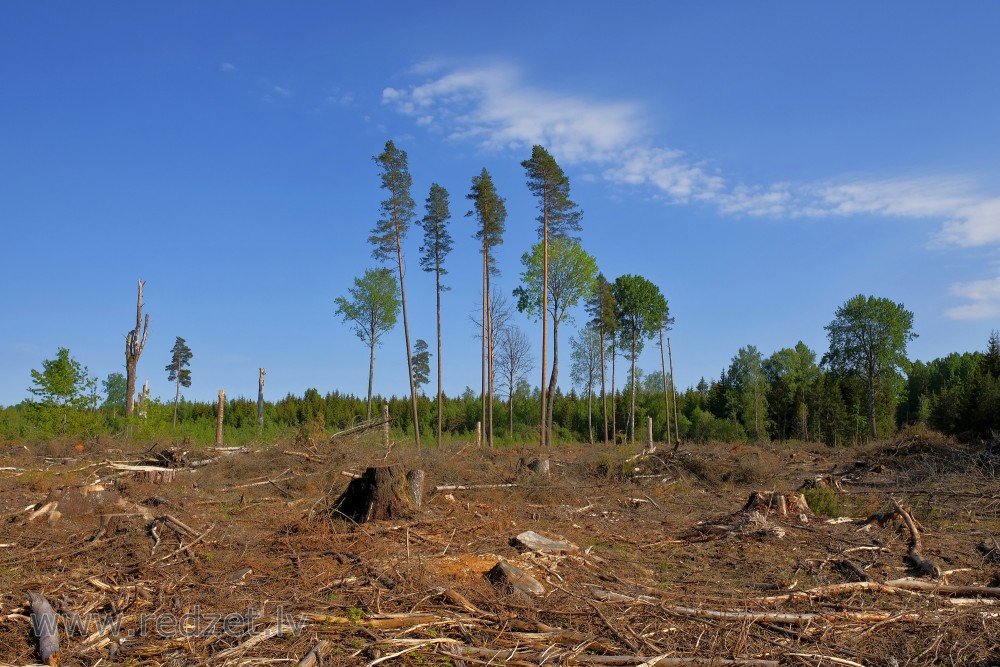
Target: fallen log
<point x="45" y="627"/>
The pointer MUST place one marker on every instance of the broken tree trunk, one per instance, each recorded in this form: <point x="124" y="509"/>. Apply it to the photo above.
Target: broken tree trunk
<point x="218" y="423"/>
<point x="260" y="400"/>
<point x="380" y="493"/>
<point x="134" y="344"/>
<point x="45" y="627"/>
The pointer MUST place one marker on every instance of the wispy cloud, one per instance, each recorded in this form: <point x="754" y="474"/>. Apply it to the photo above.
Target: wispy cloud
<point x="282" y="90"/>
<point x="493" y="106"/>
<point x="984" y="298"/>
<point x="228" y="67"/>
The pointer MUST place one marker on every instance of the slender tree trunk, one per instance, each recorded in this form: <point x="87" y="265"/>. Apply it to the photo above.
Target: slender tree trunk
<point x="590" y="410"/>
<point x="371" y="370"/>
<point x="177" y="394"/>
<point x="673" y="390"/>
<point x="510" y="404"/>
<point x="406" y="335"/>
<point x="545" y="316"/>
<point x="631" y="413"/>
<point x="489" y="364"/>
<point x="871" y="403"/>
<point x="666" y="396"/>
<point x="614" y="403"/>
<point x="484" y="339"/>
<point x="604" y="396"/>
<point x="440" y="407"/>
<point x="553" y="379"/>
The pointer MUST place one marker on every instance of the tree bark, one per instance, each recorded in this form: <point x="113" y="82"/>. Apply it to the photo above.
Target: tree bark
<point x="614" y="404"/>
<point x="380" y="493"/>
<point x="545" y="317"/>
<point x="134" y="345"/>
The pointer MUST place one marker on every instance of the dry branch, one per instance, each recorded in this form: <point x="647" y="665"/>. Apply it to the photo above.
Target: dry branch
<point x="917" y="558"/>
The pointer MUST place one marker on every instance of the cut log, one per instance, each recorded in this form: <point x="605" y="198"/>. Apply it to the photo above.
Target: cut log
<point x="505" y="575"/>
<point x="380" y="493"/>
<point x="45" y="627"/>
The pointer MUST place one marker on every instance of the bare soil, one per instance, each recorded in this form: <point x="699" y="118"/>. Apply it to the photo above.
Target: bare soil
<point x="670" y="570"/>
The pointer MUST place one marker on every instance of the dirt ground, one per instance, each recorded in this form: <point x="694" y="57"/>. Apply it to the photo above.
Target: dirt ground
<point x="234" y="558"/>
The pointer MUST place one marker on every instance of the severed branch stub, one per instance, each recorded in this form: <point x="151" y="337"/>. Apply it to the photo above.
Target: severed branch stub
<point x="45" y="627"/>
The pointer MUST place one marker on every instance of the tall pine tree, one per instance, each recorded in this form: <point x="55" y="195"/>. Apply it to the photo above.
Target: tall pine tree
<point x="437" y="244"/>
<point x="558" y="216"/>
<point x="491" y="214"/>
<point x="397" y="212"/>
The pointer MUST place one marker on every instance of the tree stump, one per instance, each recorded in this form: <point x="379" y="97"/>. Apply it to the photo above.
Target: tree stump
<point x="380" y="493"/>
<point x="777" y="503"/>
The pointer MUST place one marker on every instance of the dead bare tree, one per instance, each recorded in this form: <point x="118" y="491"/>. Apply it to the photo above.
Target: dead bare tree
<point x="134" y="345"/>
<point x="513" y="361"/>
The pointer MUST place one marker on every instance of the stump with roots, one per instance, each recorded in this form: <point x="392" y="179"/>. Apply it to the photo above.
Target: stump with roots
<point x="778" y="503"/>
<point x="380" y="493"/>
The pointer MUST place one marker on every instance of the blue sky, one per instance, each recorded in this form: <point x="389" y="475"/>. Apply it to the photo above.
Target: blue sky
<point x="760" y="162"/>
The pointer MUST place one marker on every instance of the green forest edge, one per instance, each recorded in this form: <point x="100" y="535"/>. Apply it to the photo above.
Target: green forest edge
<point x="785" y="397"/>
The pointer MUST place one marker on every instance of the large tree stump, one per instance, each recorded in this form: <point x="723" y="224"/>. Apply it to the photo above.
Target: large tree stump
<point x="380" y="493"/>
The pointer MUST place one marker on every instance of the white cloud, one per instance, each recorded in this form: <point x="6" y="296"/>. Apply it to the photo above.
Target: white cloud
<point x="282" y="90"/>
<point x="228" y="67"/>
<point x="493" y="106"/>
<point x="984" y="296"/>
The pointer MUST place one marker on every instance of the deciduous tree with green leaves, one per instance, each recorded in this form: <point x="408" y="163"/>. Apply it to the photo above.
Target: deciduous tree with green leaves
<point x="570" y="279"/>
<point x="397" y="212"/>
<point x="437" y="244"/>
<point x="640" y="310"/>
<point x="62" y="385"/>
<point x="868" y="337"/>
<point x="490" y="213"/>
<point x="558" y="217"/>
<point x="371" y="309"/>
<point x="178" y="371"/>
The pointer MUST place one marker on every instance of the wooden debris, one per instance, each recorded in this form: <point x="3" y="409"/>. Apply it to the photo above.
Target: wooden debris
<point x="315" y="655"/>
<point x="45" y="627"/>
<point x="915" y="556"/>
<point x="514" y="578"/>
<point x="532" y="541"/>
<point x="783" y="504"/>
